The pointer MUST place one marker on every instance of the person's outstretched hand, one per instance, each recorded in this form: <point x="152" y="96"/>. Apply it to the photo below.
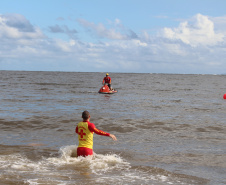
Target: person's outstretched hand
<point x="113" y="137"/>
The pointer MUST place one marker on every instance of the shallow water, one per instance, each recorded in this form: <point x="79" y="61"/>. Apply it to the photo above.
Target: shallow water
<point x="170" y="128"/>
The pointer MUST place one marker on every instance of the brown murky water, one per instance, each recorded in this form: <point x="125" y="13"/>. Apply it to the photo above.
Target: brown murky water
<point x="171" y="129"/>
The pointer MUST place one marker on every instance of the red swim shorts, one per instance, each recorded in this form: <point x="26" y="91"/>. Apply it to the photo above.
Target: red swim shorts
<point x="82" y="151"/>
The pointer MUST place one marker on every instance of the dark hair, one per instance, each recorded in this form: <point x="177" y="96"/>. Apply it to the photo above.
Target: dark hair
<point x="85" y="115"/>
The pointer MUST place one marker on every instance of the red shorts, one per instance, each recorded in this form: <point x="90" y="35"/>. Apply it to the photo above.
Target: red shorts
<point x="82" y="151"/>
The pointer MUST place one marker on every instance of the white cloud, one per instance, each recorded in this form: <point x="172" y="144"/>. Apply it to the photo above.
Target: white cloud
<point x="16" y="26"/>
<point x="101" y="30"/>
<point x="117" y="33"/>
<point x="199" y="32"/>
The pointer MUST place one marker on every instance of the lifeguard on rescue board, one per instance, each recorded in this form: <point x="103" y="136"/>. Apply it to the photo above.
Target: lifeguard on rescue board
<point x="107" y="88"/>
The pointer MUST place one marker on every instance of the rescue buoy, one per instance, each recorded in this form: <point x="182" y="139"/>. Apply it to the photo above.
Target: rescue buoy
<point x="224" y="96"/>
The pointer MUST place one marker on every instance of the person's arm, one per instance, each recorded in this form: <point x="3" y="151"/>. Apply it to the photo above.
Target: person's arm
<point x="76" y="130"/>
<point x="92" y="128"/>
<point x="110" y="80"/>
<point x="103" y="81"/>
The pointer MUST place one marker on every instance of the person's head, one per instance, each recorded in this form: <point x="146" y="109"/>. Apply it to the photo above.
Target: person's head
<point x="107" y="74"/>
<point x="85" y="115"/>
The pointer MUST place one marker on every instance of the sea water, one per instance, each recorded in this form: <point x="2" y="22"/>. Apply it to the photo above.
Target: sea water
<point x="170" y="128"/>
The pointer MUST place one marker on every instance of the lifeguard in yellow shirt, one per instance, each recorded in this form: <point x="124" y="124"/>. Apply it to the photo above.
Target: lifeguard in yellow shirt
<point x="85" y="131"/>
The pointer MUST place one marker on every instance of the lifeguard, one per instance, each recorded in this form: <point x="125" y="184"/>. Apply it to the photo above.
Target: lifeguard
<point x="107" y="80"/>
<point x="85" y="131"/>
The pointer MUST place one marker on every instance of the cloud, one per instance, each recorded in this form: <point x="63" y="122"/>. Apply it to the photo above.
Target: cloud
<point x="219" y="24"/>
<point x="63" y="29"/>
<point x="56" y="29"/>
<point x="110" y="33"/>
<point x="19" y="22"/>
<point x="199" y="32"/>
<point x="17" y="26"/>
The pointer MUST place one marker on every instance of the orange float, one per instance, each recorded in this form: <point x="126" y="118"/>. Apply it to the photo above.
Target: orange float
<point x="224" y="96"/>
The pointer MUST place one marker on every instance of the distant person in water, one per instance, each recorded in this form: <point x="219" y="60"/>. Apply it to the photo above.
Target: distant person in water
<point x="107" y="80"/>
<point x="85" y="131"/>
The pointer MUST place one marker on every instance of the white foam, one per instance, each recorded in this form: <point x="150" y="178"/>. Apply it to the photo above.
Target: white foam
<point x="52" y="170"/>
<point x="99" y="163"/>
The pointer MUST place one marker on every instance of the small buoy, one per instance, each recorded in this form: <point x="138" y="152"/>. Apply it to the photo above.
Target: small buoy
<point x="224" y="96"/>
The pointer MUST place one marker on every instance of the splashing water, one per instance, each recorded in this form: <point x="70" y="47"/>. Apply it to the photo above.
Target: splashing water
<point x="65" y="168"/>
<point x="61" y="168"/>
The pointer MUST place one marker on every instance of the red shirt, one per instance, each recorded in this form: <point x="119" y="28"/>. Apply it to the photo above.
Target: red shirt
<point x="107" y="79"/>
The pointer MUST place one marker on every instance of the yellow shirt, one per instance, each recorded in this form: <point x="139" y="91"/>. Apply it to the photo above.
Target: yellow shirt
<point x="85" y="136"/>
<point x="85" y="131"/>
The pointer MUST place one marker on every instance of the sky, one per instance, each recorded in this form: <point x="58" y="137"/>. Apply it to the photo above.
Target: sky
<point x="126" y="36"/>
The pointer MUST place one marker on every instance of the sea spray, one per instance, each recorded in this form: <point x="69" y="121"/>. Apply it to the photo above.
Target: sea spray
<point x="97" y="164"/>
